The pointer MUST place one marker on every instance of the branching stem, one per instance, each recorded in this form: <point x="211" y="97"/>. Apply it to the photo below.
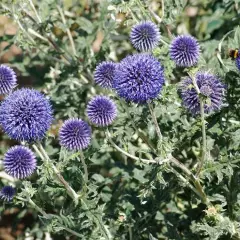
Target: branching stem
<point x="147" y="161"/>
<point x="68" y="31"/>
<point x="44" y="156"/>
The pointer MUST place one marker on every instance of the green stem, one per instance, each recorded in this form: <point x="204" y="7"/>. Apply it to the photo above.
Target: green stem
<point x="195" y="181"/>
<point x="196" y="191"/>
<point x="82" y="158"/>
<point x="147" y="161"/>
<point x="139" y="131"/>
<point x="204" y="138"/>
<point x="68" y="31"/>
<point x="155" y="121"/>
<point x="35" y="11"/>
<point x="45" y="158"/>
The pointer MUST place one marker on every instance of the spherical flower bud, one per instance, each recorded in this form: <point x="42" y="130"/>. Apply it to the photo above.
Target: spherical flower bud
<point x="26" y="115"/>
<point x="7" y="193"/>
<point x="184" y="51"/>
<point x="211" y="90"/>
<point x="19" y="162"/>
<point x="139" y="78"/>
<point x="75" y="134"/>
<point x="101" y="111"/>
<point x="145" y="36"/>
<point x="8" y="79"/>
<point x="104" y="74"/>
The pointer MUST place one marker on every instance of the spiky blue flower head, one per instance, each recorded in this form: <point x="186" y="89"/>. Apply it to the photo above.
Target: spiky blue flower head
<point x="7" y="193"/>
<point x="145" y="36"/>
<point x="104" y="74"/>
<point x="101" y="111"/>
<point x="26" y="115"/>
<point x="139" y="78"/>
<point x="237" y="61"/>
<point x="8" y="79"/>
<point x="19" y="162"/>
<point x="211" y="89"/>
<point x="184" y="50"/>
<point x="75" y="134"/>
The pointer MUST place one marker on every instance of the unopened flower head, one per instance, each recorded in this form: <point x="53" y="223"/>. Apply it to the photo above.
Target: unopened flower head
<point x="184" y="51"/>
<point x="19" y="162"/>
<point x="26" y="115"/>
<point x="104" y="74"/>
<point x="8" y="79"/>
<point x="139" y="78"/>
<point x="7" y="193"/>
<point x="75" y="134"/>
<point x="145" y="36"/>
<point x="211" y="89"/>
<point x="101" y="111"/>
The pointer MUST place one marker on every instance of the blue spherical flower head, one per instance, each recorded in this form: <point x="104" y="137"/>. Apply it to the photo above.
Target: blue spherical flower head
<point x="8" y="79"/>
<point x="237" y="61"/>
<point x="7" y="193"/>
<point x="104" y="74"/>
<point x="75" y="134"/>
<point x="101" y="111"/>
<point x="139" y="78"/>
<point x="184" y="51"/>
<point x="145" y="36"/>
<point x="19" y="162"/>
<point x="26" y="115"/>
<point x="211" y="89"/>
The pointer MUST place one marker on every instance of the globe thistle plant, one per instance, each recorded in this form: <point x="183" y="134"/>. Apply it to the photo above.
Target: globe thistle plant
<point x="75" y="134"/>
<point x="211" y="89"/>
<point x="26" y="115"/>
<point x="184" y="51"/>
<point x="104" y="74"/>
<point x="139" y="78"/>
<point x="145" y="36"/>
<point x="19" y="162"/>
<point x="7" y="193"/>
<point x="8" y="79"/>
<point x="101" y="111"/>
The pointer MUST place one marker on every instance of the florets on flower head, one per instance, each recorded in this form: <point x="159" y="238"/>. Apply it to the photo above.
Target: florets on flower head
<point x="26" y="115"/>
<point x="75" y="134"/>
<point x="104" y="74"/>
<point x="139" y="78"/>
<point x="237" y="61"/>
<point x="7" y="193"/>
<point x="8" y="79"/>
<point x="101" y="111"/>
<point x="184" y="51"/>
<point x="19" y="162"/>
<point x="145" y="36"/>
<point x="211" y="89"/>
